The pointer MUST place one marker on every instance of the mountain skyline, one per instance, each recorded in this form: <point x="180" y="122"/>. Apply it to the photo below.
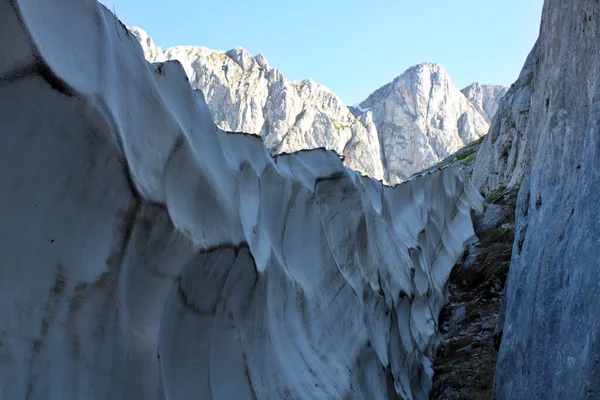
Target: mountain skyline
<point x="402" y="128"/>
<point x="351" y="48"/>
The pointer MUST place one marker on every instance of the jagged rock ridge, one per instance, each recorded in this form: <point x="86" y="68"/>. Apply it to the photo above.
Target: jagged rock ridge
<point x="421" y="118"/>
<point x="486" y="98"/>
<point x="246" y="95"/>
<point x="149" y="255"/>
<point x="410" y="124"/>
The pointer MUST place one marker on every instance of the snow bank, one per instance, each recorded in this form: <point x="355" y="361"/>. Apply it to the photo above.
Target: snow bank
<point x="147" y="254"/>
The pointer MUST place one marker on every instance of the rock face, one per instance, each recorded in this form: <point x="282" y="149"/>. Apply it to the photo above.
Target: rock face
<point x="402" y="128"/>
<point x="421" y="118"/>
<point x="551" y="340"/>
<point x="148" y="254"/>
<point x="505" y="154"/>
<point x="485" y="98"/>
<point x="245" y="94"/>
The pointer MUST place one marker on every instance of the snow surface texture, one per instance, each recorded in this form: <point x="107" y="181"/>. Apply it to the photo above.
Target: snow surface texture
<point x="551" y="341"/>
<point x="149" y="255"/>
<point x="408" y="125"/>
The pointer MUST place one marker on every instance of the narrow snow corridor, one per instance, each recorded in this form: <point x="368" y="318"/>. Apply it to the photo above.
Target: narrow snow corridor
<point x="148" y="254"/>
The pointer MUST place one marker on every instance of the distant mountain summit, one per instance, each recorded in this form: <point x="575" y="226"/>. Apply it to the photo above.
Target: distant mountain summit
<point x="402" y="128"/>
<point x="421" y="118"/>
<point x="485" y="98"/>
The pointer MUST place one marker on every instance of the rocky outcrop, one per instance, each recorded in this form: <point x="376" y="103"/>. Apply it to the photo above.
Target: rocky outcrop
<point x="148" y="254"/>
<point x="505" y="154"/>
<point x="485" y="98"/>
<point x="551" y="339"/>
<point x="421" y="118"/>
<point x="466" y="359"/>
<point x="401" y="129"/>
<point x="245" y="94"/>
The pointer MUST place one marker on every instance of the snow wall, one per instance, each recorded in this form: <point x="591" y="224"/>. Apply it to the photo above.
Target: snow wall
<point x="148" y="255"/>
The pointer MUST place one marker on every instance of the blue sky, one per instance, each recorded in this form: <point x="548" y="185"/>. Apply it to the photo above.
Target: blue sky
<point x="353" y="47"/>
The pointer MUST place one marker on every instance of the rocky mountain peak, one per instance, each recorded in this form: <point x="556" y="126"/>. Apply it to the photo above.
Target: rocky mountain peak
<point x="402" y="128"/>
<point x="241" y="57"/>
<point x="422" y="118"/>
<point x="151" y="51"/>
<point x="485" y="97"/>
<point x="262" y="61"/>
<point x="432" y="72"/>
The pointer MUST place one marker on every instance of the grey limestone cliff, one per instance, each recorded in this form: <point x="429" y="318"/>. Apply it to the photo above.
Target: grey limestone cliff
<point x="505" y="154"/>
<point x="547" y="138"/>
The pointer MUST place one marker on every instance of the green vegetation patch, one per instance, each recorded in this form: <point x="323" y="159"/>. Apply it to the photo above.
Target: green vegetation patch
<point x="466" y="153"/>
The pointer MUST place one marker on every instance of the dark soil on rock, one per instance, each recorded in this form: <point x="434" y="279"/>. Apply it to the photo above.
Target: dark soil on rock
<point x="465" y="362"/>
